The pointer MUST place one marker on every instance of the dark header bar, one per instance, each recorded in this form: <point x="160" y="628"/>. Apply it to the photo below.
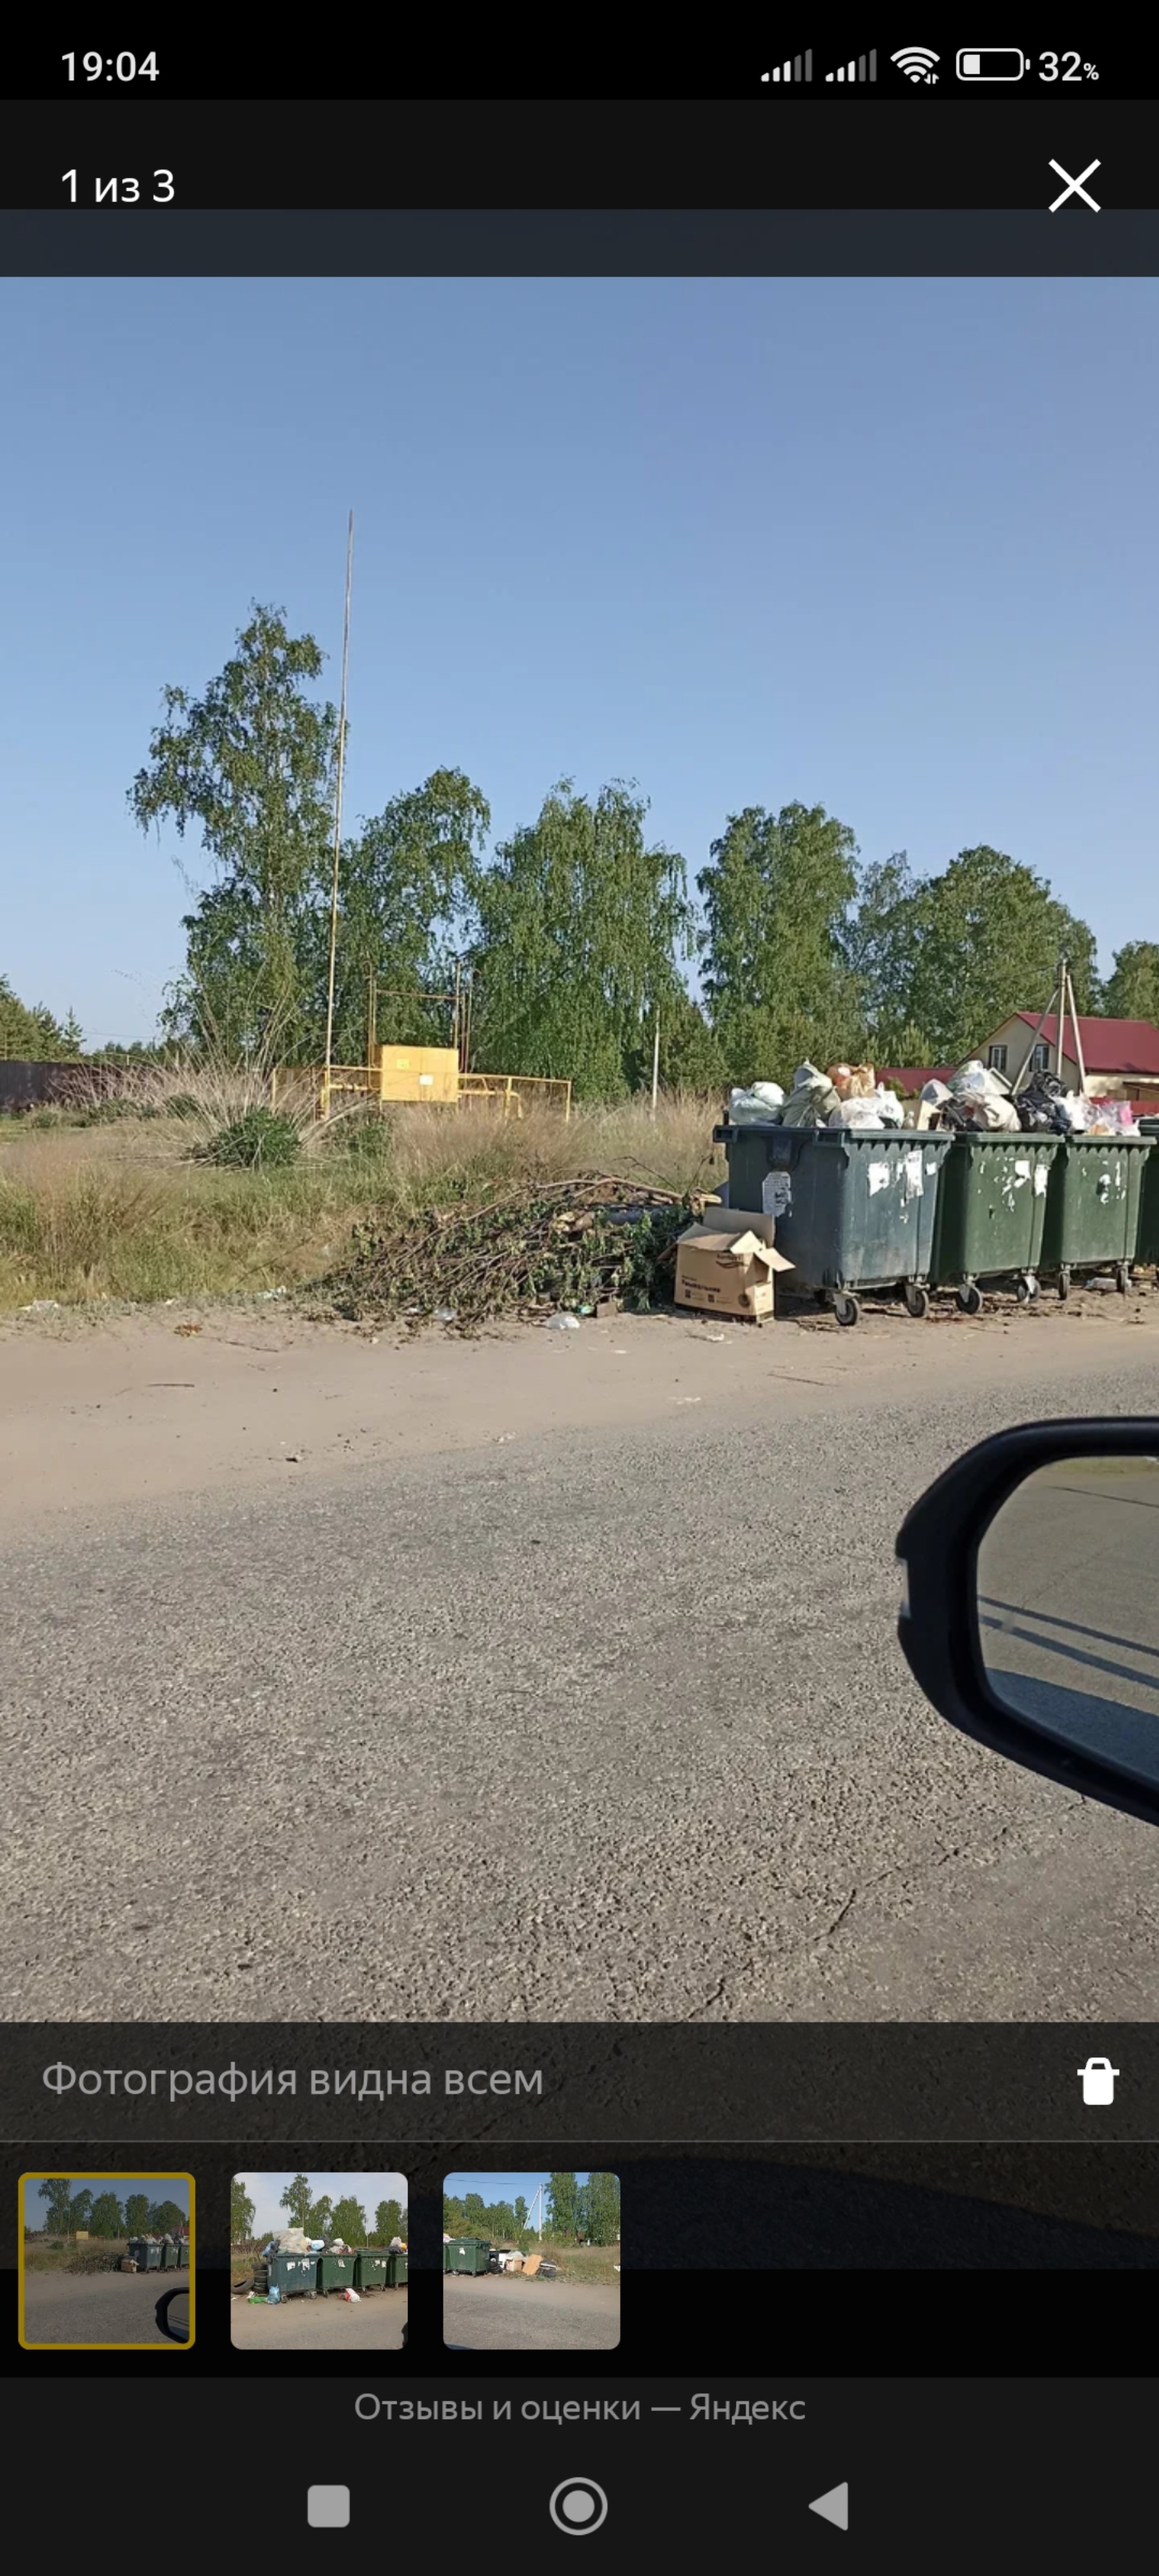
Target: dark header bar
<point x="560" y="155"/>
<point x="663" y="243"/>
<point x="418" y="63"/>
<point x="650" y="2083"/>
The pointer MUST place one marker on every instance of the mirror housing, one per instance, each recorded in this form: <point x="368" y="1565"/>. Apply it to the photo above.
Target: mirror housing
<point x="939" y="1630"/>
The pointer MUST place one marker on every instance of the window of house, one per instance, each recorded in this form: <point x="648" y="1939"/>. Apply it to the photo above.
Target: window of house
<point x="1041" y="1058"/>
<point x="996" y="1059"/>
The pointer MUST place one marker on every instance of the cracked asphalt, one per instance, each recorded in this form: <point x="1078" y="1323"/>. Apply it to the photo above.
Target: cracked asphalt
<point x="597" y="1715"/>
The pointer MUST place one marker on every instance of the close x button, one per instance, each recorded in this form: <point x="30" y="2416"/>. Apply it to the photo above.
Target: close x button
<point x="1076" y="187"/>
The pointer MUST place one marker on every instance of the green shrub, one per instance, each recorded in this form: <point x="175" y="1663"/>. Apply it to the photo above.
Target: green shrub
<point x="182" y="1104"/>
<point x="105" y="1113"/>
<point x="259" y="1138"/>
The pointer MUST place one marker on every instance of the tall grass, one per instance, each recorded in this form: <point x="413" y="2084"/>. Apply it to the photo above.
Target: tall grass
<point x="124" y="1211"/>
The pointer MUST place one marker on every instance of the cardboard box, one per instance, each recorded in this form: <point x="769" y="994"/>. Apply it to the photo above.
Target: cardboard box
<point x="726" y="1265"/>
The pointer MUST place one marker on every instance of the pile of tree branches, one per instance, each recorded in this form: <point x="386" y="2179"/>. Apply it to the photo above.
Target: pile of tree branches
<point x="566" y="1249"/>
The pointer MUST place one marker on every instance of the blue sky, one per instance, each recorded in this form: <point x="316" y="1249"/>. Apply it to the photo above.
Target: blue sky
<point x="265" y="2190"/>
<point x="498" y="2186"/>
<point x="175" y="2189"/>
<point x="884" y="545"/>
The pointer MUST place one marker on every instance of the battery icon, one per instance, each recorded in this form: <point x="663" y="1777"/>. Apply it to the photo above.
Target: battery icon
<point x="998" y="63"/>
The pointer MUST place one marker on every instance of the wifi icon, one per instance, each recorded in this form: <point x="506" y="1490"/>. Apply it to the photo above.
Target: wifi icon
<point x="917" y="62"/>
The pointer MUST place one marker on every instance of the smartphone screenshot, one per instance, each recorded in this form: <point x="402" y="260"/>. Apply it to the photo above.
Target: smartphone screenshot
<point x="579" y="1294"/>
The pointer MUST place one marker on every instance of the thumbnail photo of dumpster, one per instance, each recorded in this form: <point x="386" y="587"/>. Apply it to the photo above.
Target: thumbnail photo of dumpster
<point x="106" y="2262"/>
<point x="318" y="2262"/>
<point x="531" y="2262"/>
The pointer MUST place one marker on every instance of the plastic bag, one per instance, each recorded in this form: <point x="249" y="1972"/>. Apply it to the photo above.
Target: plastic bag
<point x="759" y="1104"/>
<point x="812" y="1099"/>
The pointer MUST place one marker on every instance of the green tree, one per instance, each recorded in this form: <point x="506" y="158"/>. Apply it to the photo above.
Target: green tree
<point x="691" y="1056"/>
<point x="296" y="2199"/>
<point x="106" y="2217"/>
<point x="81" y="2209"/>
<point x="349" y="2220"/>
<point x="776" y="894"/>
<point x="979" y="941"/>
<point x="72" y="1036"/>
<point x="520" y="2214"/>
<point x="319" y="2219"/>
<point x="474" y="2214"/>
<point x="249" y="766"/>
<point x="1132" y="991"/>
<point x="166" y="2217"/>
<point x="33" y="1035"/>
<point x="454" y="2215"/>
<point x="241" y="2214"/>
<point x="407" y="909"/>
<point x="878" y="947"/>
<point x="137" y="2209"/>
<point x="582" y="922"/>
<point x="563" y="2197"/>
<point x="56" y="2192"/>
<point x="388" y="2221"/>
<point x="600" y="2208"/>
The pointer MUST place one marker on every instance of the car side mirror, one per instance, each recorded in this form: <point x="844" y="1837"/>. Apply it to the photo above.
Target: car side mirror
<point x="1031" y="1613"/>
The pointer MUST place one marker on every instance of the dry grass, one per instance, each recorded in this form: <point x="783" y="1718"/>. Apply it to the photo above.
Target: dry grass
<point x="123" y="1211"/>
<point x="584" y="2262"/>
<point x="94" y="2254"/>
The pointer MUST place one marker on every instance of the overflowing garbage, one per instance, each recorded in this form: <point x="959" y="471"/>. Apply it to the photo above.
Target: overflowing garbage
<point x="976" y="1097"/>
<point x="848" y="1095"/>
<point x="978" y="1179"/>
<point x="292" y="2264"/>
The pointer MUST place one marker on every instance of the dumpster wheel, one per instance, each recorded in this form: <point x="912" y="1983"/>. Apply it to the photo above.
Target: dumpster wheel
<point x="1026" y="1289"/>
<point x="846" y="1308"/>
<point x="970" y="1298"/>
<point x="1064" y="1282"/>
<point x="917" y="1300"/>
<point x="1123" y="1277"/>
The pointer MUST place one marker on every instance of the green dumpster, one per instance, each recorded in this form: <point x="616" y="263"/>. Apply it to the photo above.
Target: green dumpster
<point x="293" y="2276"/>
<point x="335" y="2272"/>
<point x="370" y="2268"/>
<point x="170" y="2257"/>
<point x="146" y="2255"/>
<point x="467" y="2254"/>
<point x="1093" y="1207"/>
<point x="396" y="2271"/>
<point x="183" y="2256"/>
<point x="1148" y="1246"/>
<point x="992" y="1201"/>
<point x="854" y="1209"/>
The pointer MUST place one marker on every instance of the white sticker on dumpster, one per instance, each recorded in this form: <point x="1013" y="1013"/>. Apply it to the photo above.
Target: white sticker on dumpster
<point x="914" y="1183"/>
<point x="1021" y="1174"/>
<point x="878" y="1178"/>
<point x="1040" y="1180"/>
<point x="777" y="1193"/>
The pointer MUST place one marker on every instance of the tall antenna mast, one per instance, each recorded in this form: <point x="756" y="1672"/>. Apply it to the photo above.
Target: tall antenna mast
<point x="338" y="786"/>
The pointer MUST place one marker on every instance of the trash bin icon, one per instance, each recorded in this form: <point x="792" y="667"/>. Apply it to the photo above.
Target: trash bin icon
<point x="1098" y="2080"/>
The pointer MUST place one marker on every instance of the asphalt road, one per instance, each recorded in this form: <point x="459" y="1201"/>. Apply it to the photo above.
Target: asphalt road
<point x="483" y="2312"/>
<point x="377" y="2324"/>
<point x="608" y="1722"/>
<point x="106" y="2308"/>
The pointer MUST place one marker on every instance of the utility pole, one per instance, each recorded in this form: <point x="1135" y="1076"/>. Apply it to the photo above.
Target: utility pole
<point x="338" y="785"/>
<point x="656" y="1065"/>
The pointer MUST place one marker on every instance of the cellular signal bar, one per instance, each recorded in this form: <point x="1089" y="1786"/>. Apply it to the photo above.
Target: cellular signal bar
<point x="799" y="69"/>
<point x="863" y="68"/>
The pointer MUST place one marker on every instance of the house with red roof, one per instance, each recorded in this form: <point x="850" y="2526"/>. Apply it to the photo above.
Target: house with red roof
<point x="1120" y="1057"/>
